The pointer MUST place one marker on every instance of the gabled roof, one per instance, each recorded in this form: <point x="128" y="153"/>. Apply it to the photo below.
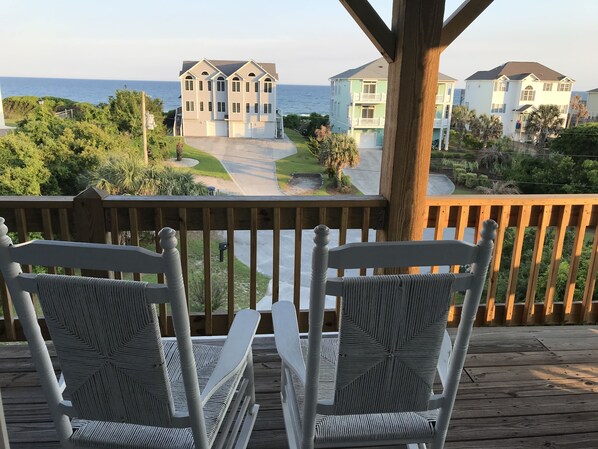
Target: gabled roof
<point x="525" y="107"/>
<point x="377" y="69"/>
<point x="229" y="67"/>
<point x="518" y="71"/>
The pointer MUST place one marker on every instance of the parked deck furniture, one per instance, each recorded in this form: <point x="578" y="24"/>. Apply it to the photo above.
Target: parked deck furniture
<point x="122" y="386"/>
<point x="373" y="385"/>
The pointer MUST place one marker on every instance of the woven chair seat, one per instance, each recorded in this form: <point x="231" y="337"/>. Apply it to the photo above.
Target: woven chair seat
<point x="107" y="435"/>
<point x="418" y="426"/>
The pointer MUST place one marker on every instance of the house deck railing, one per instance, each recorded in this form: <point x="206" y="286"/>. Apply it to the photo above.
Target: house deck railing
<point x="540" y="227"/>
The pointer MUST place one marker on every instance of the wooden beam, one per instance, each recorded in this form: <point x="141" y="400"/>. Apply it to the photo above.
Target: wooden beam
<point x="373" y="26"/>
<point x="461" y="19"/>
<point x="410" y="106"/>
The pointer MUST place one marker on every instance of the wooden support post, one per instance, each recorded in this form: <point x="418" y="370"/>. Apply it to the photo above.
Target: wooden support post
<point x="410" y="106"/>
<point x="90" y="221"/>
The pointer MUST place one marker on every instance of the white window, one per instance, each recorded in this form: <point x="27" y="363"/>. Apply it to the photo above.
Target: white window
<point x="204" y="73"/>
<point x="247" y="108"/>
<point x="209" y="86"/>
<point x="210" y="106"/>
<point x="201" y="106"/>
<point x="257" y="86"/>
<point x="498" y="108"/>
<point x="220" y="84"/>
<point x="200" y="85"/>
<point x="268" y="85"/>
<point x="188" y="83"/>
<point x="564" y="87"/>
<point x="236" y="84"/>
<point x="256" y="108"/>
<point x="247" y="86"/>
<point x="236" y="108"/>
<point x="189" y="106"/>
<point x="528" y="94"/>
<point x="367" y="112"/>
<point x="221" y="106"/>
<point x="269" y="108"/>
<point x="501" y="86"/>
<point x="547" y="87"/>
<point x="369" y="87"/>
<point x="265" y="108"/>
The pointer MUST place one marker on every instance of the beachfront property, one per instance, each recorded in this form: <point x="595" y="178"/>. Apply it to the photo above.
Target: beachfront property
<point x="513" y="90"/>
<point x="229" y="99"/>
<point x="592" y="104"/>
<point x="358" y="104"/>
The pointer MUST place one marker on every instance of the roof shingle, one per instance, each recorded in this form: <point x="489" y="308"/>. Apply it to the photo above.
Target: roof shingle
<point x="230" y="67"/>
<point x="377" y="69"/>
<point x="518" y="70"/>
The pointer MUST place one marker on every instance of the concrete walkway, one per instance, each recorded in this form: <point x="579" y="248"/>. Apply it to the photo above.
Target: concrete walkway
<point x="366" y="176"/>
<point x="250" y="162"/>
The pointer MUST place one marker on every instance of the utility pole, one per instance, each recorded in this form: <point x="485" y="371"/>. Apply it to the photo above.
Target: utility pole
<point x="144" y="126"/>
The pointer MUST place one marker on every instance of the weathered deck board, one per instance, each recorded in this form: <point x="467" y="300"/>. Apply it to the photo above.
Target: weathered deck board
<point x="522" y="388"/>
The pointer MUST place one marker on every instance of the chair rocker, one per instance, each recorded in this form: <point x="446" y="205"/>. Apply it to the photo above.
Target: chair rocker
<point x="373" y="384"/>
<point x="122" y="385"/>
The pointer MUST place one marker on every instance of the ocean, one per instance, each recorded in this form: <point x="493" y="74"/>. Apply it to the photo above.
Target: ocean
<point x="291" y="99"/>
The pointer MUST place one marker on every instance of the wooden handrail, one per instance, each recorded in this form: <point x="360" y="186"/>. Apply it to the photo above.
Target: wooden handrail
<point x="576" y="216"/>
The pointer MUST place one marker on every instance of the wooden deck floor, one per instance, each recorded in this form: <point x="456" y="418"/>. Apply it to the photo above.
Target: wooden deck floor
<point x="522" y="388"/>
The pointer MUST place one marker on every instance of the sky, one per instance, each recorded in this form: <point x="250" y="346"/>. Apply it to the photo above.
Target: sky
<point x="309" y="40"/>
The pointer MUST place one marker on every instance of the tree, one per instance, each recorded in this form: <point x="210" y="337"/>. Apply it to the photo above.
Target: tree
<point x="500" y="188"/>
<point x="579" y="141"/>
<point x="543" y="122"/>
<point x="578" y="109"/>
<point x="486" y="128"/>
<point x="497" y="156"/>
<point x="461" y="118"/>
<point x="22" y="170"/>
<point x="338" y="152"/>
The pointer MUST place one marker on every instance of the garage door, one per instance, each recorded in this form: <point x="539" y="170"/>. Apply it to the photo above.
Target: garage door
<point x="238" y="129"/>
<point x="222" y="129"/>
<point x="367" y="140"/>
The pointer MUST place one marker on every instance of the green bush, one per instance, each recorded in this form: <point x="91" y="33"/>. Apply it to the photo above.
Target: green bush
<point x="472" y="143"/>
<point x="471" y="180"/>
<point x="197" y="290"/>
<point x="484" y="181"/>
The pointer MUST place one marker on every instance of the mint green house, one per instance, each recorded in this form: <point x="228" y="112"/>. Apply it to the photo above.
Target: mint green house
<point x="358" y="104"/>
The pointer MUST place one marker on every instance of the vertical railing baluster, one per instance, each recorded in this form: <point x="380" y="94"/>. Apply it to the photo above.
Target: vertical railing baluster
<point x="580" y="233"/>
<point x="48" y="232"/>
<point x="115" y="234"/>
<point x="555" y="262"/>
<point x="297" y="264"/>
<point x="534" y="271"/>
<point x="460" y="225"/>
<point x="365" y="232"/>
<point x="253" y="261"/>
<point x="207" y="269"/>
<point x="588" y="292"/>
<point x="441" y="222"/>
<point x="522" y="223"/>
<point x="134" y="225"/>
<point x="230" y="260"/>
<point x="65" y="234"/>
<point x="342" y="239"/>
<point x="184" y="249"/>
<point x="276" y="255"/>
<point x="503" y="223"/>
<point x="483" y="215"/>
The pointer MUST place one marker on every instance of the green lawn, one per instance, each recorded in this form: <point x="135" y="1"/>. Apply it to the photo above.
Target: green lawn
<point x="208" y="164"/>
<point x="461" y="190"/>
<point x="301" y="162"/>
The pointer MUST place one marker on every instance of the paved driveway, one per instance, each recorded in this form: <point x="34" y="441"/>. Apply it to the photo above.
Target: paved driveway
<point x="366" y="176"/>
<point x="250" y="162"/>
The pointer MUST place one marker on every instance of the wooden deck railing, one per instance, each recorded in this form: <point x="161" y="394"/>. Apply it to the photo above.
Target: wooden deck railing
<point x="95" y="217"/>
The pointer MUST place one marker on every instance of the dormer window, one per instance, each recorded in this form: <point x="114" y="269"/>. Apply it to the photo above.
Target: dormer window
<point x="220" y="84"/>
<point x="236" y="84"/>
<point x="205" y="73"/>
<point x="564" y="87"/>
<point x="501" y="86"/>
<point x="268" y="85"/>
<point x="188" y="82"/>
<point x="528" y="94"/>
<point x="251" y="74"/>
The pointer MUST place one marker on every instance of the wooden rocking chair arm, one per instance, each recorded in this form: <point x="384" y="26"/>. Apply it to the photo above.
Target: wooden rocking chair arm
<point x="286" y="336"/>
<point x="234" y="354"/>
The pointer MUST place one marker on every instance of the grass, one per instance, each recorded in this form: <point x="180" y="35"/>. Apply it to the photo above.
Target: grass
<point x="11" y="122"/>
<point x="301" y="162"/>
<point x="208" y="164"/>
<point x="461" y="190"/>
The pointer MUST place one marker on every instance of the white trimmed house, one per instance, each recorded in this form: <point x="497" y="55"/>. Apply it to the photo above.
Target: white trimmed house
<point x="358" y="104"/>
<point x="515" y="89"/>
<point x="228" y="99"/>
<point x="592" y="104"/>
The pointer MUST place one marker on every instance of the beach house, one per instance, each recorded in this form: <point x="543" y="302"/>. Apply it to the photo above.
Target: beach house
<point x="513" y="90"/>
<point x="592" y="104"/>
<point x="229" y="99"/>
<point x="358" y="104"/>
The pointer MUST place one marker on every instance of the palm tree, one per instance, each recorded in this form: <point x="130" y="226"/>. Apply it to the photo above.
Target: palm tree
<point x="500" y="188"/>
<point x="577" y="108"/>
<point x="486" y="128"/>
<point x="338" y="152"/>
<point x="544" y="122"/>
<point x="461" y="118"/>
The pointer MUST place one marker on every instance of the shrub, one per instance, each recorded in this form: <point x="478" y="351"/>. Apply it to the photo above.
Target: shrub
<point x="484" y="181"/>
<point x="197" y="290"/>
<point x="471" y="180"/>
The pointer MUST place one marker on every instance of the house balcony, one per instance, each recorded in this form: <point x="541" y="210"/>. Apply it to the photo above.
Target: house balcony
<point x="442" y="99"/>
<point x="367" y="122"/>
<point x="361" y="97"/>
<point x="520" y="383"/>
<point x="442" y="123"/>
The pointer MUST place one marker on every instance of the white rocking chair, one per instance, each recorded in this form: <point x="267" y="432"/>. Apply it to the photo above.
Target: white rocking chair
<point x="372" y="386"/>
<point x="122" y="386"/>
